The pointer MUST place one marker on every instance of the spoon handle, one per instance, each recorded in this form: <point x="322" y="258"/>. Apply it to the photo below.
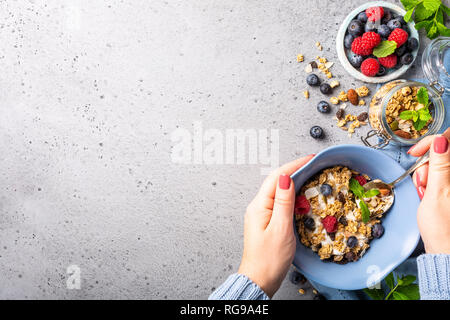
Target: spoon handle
<point x="420" y="162"/>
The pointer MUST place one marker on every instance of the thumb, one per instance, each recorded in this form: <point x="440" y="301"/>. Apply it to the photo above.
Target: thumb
<point x="439" y="172"/>
<point x="283" y="207"/>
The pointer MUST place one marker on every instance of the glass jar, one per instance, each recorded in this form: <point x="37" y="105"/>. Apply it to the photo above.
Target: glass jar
<point x="435" y="63"/>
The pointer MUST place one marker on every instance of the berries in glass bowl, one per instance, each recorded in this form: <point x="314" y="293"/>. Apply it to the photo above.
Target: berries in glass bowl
<point x="375" y="44"/>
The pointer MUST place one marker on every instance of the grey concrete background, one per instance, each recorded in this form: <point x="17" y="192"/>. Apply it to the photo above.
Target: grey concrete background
<point x="90" y="93"/>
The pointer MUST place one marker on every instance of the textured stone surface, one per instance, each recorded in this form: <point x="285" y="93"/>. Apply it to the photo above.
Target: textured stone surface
<point x="90" y="93"/>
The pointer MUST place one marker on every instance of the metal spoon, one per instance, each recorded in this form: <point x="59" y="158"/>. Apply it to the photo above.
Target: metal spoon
<point x="380" y="185"/>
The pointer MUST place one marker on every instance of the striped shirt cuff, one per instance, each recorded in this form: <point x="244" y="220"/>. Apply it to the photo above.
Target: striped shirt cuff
<point x="238" y="287"/>
<point x="434" y="276"/>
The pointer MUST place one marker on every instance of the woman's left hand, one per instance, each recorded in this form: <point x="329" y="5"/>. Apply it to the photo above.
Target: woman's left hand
<point x="269" y="240"/>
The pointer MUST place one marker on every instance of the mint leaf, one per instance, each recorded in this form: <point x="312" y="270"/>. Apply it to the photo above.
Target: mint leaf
<point x="443" y="30"/>
<point x="409" y="4"/>
<point x="420" y="124"/>
<point x="385" y="48"/>
<point x="408" y="15"/>
<point x="356" y="188"/>
<point x="406" y="280"/>
<point x="422" y="13"/>
<point x="375" y="294"/>
<point x="399" y="296"/>
<point x="390" y="280"/>
<point x="445" y="9"/>
<point x="422" y="96"/>
<point x="365" y="213"/>
<point x="423" y="24"/>
<point x="407" y="115"/>
<point x="432" y="5"/>
<point x="424" y="114"/>
<point x="432" y="31"/>
<point x="371" y="193"/>
<point x="411" y="291"/>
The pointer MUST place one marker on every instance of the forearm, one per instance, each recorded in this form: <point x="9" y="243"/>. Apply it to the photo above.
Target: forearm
<point x="434" y="276"/>
<point x="238" y="287"/>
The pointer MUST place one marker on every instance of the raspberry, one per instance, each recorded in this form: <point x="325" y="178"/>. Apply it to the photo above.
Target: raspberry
<point x="374" y="14"/>
<point x="389" y="61"/>
<point x="400" y="36"/>
<point x="360" y="48"/>
<point x="371" y="39"/>
<point x="330" y="224"/>
<point x="362" y="181"/>
<point x="302" y="205"/>
<point x="370" y="67"/>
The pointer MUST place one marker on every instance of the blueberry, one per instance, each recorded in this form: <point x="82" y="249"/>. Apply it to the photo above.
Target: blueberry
<point x="319" y="297"/>
<point x="326" y="189"/>
<point x="355" y="28"/>
<point x="377" y="230"/>
<point x="387" y="16"/>
<point x="348" y="40"/>
<point x="343" y="221"/>
<point x="352" y="242"/>
<point x="309" y="223"/>
<point x="332" y="236"/>
<point x="362" y="17"/>
<point x="401" y="19"/>
<point x="401" y="51"/>
<point x="313" y="80"/>
<point x="394" y="24"/>
<point x="406" y="28"/>
<point x="370" y="26"/>
<point x="296" y="277"/>
<point x="316" y="132"/>
<point x="350" y="256"/>
<point x="355" y="60"/>
<point x="407" y="59"/>
<point x="384" y="31"/>
<point x="412" y="44"/>
<point x="325" y="88"/>
<point x="382" y="71"/>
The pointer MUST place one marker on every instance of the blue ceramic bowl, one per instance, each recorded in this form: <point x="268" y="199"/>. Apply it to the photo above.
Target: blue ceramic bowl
<point x="400" y="224"/>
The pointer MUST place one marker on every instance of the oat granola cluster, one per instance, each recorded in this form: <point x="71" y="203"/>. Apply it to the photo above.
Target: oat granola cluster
<point x="329" y="218"/>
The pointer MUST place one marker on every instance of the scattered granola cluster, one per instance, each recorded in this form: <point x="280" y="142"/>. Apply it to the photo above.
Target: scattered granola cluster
<point x="353" y="120"/>
<point x="322" y="64"/>
<point x="329" y="217"/>
<point x="343" y="96"/>
<point x="354" y="96"/>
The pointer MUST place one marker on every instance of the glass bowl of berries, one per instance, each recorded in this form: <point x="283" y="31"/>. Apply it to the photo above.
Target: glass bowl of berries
<point x="375" y="44"/>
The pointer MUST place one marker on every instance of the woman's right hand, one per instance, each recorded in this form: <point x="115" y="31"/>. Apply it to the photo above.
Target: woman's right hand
<point x="433" y="186"/>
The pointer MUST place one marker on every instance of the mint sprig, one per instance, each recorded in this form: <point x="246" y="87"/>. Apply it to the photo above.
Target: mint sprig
<point x="428" y="14"/>
<point x="360" y="193"/>
<point x="404" y="289"/>
<point x="384" y="49"/>
<point x="420" y="117"/>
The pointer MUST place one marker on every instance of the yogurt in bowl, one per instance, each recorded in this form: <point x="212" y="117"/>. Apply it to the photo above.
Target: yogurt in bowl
<point x="401" y="233"/>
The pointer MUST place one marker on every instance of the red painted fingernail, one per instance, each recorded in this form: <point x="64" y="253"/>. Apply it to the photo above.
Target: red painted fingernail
<point x="418" y="182"/>
<point x="411" y="149"/>
<point x="284" y="182"/>
<point x="440" y="144"/>
<point x="421" y="192"/>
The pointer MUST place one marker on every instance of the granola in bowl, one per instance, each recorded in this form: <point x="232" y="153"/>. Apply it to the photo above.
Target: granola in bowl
<point x="336" y="218"/>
